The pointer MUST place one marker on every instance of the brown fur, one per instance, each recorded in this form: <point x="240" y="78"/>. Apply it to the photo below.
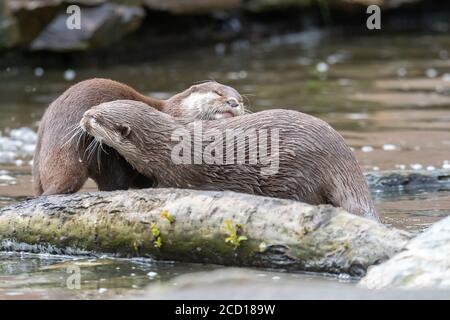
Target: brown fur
<point x="62" y="166"/>
<point x="315" y="164"/>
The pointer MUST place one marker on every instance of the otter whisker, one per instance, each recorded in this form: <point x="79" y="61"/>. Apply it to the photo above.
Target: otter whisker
<point x="99" y="157"/>
<point x="73" y="137"/>
<point x="108" y="136"/>
<point x="71" y="130"/>
<point x="88" y="149"/>
<point x="74" y="131"/>
<point x="80" y="134"/>
<point x="247" y="100"/>
<point x="80" y="139"/>
<point x="93" y="150"/>
<point x="101" y="146"/>
<point x="91" y="143"/>
<point x="208" y="115"/>
<point x="69" y="140"/>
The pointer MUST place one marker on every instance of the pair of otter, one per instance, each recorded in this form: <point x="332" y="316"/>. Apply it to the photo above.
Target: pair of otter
<point x="65" y="158"/>
<point x="315" y="165"/>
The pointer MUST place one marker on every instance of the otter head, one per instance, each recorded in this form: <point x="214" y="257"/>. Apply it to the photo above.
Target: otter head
<point x="209" y="101"/>
<point x="117" y="124"/>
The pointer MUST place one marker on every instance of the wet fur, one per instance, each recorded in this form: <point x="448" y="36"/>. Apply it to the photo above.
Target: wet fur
<point x="61" y="144"/>
<point x="315" y="164"/>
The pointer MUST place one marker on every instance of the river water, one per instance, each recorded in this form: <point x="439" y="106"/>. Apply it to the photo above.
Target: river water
<point x="388" y="96"/>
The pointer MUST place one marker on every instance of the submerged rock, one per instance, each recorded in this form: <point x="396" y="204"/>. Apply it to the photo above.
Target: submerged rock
<point x="408" y="179"/>
<point x="200" y="226"/>
<point x="424" y="264"/>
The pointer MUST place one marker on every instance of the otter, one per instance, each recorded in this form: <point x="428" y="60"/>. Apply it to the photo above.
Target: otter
<point x="313" y="162"/>
<point x="65" y="158"/>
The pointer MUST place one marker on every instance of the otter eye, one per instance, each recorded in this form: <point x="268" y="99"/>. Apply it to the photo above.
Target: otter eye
<point x="218" y="93"/>
<point x="124" y="130"/>
<point x="194" y="88"/>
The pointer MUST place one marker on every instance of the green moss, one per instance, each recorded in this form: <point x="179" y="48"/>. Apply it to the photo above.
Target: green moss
<point x="156" y="235"/>
<point x="165" y="214"/>
<point x="234" y="233"/>
<point x="158" y="242"/>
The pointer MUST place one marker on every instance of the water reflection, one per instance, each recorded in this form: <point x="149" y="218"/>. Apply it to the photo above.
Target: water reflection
<point x="25" y="274"/>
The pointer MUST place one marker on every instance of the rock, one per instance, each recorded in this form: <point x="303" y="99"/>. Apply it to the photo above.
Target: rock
<point x="408" y="179"/>
<point x="347" y="5"/>
<point x="101" y="26"/>
<point x="9" y="31"/>
<point x="40" y="24"/>
<point x="265" y="5"/>
<point x="30" y="17"/>
<point x="192" y="6"/>
<point x="200" y="226"/>
<point x="247" y="284"/>
<point x="388" y="4"/>
<point x="424" y="264"/>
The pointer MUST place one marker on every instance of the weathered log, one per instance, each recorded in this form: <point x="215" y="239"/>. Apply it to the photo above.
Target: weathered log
<point x="202" y="226"/>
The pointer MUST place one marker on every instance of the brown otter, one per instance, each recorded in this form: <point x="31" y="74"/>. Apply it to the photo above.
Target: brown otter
<point x="313" y="164"/>
<point x="64" y="158"/>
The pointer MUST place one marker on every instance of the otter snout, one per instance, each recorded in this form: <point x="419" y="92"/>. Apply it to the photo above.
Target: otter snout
<point x="89" y="118"/>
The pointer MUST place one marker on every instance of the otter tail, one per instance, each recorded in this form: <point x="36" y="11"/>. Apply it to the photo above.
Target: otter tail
<point x="37" y="185"/>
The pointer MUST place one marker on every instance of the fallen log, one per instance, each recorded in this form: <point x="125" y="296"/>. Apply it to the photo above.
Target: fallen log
<point x="201" y="226"/>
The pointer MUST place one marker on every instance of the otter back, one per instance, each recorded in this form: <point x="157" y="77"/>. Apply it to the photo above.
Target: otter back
<point x="287" y="154"/>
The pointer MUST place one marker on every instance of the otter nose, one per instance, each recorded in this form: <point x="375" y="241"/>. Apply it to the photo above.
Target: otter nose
<point x="90" y="114"/>
<point x="233" y="103"/>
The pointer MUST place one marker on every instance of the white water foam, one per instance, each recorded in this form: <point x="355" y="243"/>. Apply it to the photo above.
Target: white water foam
<point x="17" y="145"/>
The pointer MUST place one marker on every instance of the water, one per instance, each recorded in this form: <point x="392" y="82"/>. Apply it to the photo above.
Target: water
<point x="40" y="276"/>
<point x="390" y="100"/>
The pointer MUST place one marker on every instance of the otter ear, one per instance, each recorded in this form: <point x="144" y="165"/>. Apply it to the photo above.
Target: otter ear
<point x="124" y="130"/>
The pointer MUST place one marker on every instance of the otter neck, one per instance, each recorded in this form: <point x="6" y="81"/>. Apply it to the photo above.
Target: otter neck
<point x="156" y="151"/>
